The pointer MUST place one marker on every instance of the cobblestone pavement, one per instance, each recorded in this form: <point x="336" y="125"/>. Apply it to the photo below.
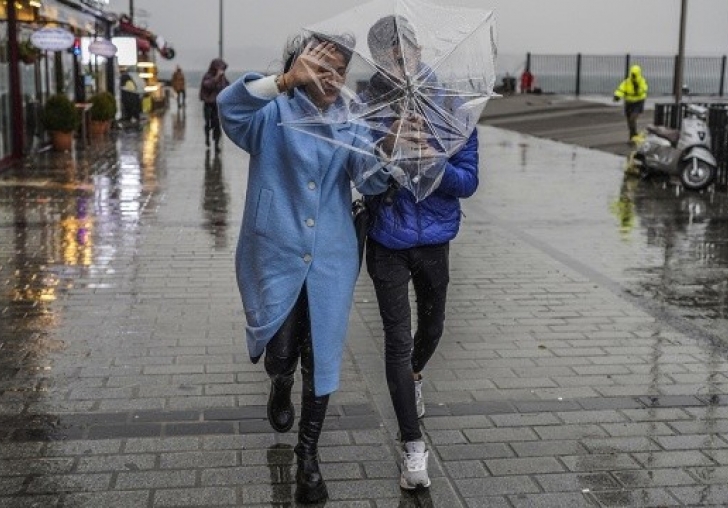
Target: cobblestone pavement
<point x="582" y="363"/>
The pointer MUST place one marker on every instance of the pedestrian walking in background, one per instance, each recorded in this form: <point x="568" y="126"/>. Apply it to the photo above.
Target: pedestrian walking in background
<point x="179" y="87"/>
<point x="297" y="258"/>
<point x="213" y="82"/>
<point x="633" y="90"/>
<point x="132" y="92"/>
<point x="410" y="241"/>
<point x="527" y="81"/>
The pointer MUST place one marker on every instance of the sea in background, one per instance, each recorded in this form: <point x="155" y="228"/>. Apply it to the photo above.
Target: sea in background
<point x="598" y="74"/>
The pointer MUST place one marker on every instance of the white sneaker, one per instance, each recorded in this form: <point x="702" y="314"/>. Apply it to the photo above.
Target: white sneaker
<point x="419" y="401"/>
<point x="414" y="466"/>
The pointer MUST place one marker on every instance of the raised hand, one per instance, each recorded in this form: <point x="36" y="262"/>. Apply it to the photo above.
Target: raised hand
<point x="313" y="66"/>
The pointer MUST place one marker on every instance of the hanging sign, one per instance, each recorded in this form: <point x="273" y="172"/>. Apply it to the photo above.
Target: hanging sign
<point x="102" y="47"/>
<point x="52" y="39"/>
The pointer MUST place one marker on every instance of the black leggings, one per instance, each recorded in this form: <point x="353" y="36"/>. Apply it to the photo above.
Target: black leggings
<point x="391" y="271"/>
<point x="291" y="342"/>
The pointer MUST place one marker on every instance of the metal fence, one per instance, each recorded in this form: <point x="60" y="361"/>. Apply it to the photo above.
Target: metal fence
<point x="600" y="74"/>
<point x="671" y="115"/>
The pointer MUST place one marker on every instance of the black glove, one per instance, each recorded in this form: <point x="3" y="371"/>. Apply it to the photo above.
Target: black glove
<point x="616" y="99"/>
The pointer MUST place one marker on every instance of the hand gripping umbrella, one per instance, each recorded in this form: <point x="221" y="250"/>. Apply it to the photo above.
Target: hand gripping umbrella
<point x="416" y="85"/>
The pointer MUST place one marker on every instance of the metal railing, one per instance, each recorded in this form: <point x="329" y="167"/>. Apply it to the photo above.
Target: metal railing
<point x="671" y="115"/>
<point x="600" y="74"/>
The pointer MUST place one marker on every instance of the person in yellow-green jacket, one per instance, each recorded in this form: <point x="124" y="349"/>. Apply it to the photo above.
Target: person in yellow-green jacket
<point x="634" y="92"/>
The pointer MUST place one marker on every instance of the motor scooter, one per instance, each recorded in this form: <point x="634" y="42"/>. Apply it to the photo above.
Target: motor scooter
<point x="684" y="153"/>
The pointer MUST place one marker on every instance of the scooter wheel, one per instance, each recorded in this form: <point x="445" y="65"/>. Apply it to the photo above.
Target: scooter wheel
<point x="696" y="174"/>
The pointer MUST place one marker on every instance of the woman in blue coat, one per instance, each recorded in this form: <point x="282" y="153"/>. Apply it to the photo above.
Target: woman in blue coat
<point x="297" y="259"/>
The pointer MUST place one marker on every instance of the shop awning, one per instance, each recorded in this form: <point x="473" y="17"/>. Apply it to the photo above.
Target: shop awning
<point x="61" y="13"/>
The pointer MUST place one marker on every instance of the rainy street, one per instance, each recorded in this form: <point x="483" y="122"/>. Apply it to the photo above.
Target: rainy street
<point x="583" y="361"/>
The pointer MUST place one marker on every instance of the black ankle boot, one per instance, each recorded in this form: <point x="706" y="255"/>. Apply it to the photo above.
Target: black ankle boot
<point x="310" y="485"/>
<point x="281" y="412"/>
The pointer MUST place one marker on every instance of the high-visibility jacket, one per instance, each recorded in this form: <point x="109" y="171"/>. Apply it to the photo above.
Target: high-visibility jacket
<point x="634" y="88"/>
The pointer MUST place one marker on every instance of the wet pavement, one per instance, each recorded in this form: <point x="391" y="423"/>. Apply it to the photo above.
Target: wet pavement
<point x="583" y="362"/>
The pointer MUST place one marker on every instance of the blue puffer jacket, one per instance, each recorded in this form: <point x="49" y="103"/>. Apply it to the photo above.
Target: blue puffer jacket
<point x="436" y="219"/>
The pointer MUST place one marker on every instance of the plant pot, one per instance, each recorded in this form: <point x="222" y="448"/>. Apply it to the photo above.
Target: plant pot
<point x="62" y="141"/>
<point x="99" y="128"/>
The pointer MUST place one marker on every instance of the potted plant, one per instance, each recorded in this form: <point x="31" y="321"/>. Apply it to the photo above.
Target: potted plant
<point x="60" y="118"/>
<point x="102" y="112"/>
<point x="27" y="52"/>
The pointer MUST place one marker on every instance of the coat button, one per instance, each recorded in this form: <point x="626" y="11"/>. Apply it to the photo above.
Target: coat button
<point x="307" y="258"/>
<point x="310" y="222"/>
<point x="312" y="185"/>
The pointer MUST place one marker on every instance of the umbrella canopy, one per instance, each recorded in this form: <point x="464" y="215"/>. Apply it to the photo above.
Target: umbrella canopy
<point x="418" y="77"/>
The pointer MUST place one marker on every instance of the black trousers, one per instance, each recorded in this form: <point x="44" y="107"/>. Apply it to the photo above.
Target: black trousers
<point x="212" y="122"/>
<point x="291" y="342"/>
<point x="428" y="267"/>
<point x="632" y="110"/>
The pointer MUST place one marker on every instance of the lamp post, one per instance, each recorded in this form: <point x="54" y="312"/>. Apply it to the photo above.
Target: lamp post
<point x="681" y="53"/>
<point x="220" y="51"/>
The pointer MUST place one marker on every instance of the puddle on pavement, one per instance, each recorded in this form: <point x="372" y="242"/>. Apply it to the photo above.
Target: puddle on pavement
<point x="686" y="234"/>
<point x="65" y="219"/>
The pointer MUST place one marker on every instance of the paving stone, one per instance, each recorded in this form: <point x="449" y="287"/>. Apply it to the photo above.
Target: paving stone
<point x="474" y="451"/>
<point x="465" y="469"/>
<point x="566" y="432"/>
<point x="523" y="466"/>
<point x="115" y="463"/>
<point x="35" y="501"/>
<point x="524" y="419"/>
<point x="489" y="502"/>
<point x="672" y="459"/>
<point x="218" y="496"/>
<point x="155" y="479"/>
<point x="502" y="435"/>
<point x="170" y="444"/>
<point x="496" y="486"/>
<point x="39" y="466"/>
<point x="569" y="482"/>
<point x="127" y="499"/>
<point x="53" y="484"/>
<point x="199" y="459"/>
<point x="654" y="478"/>
<point x="611" y="462"/>
<point x="548" y="448"/>
<point x="565" y="500"/>
<point x="648" y="498"/>
<point x="9" y="486"/>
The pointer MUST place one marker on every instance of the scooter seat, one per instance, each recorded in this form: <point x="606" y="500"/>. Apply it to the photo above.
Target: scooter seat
<point x="672" y="135"/>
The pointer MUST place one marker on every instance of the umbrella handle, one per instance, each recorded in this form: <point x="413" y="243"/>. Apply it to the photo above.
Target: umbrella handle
<point x="388" y="198"/>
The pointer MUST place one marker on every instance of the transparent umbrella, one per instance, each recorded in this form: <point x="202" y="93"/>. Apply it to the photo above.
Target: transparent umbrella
<point x="416" y="84"/>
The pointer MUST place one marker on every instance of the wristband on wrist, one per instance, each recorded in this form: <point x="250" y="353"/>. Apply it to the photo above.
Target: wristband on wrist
<point x="281" y="83"/>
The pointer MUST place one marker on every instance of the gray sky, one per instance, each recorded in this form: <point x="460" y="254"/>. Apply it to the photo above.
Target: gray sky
<point x="255" y="31"/>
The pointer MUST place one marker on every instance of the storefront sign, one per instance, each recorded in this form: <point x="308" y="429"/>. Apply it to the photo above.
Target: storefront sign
<point x="102" y="47"/>
<point x="52" y="39"/>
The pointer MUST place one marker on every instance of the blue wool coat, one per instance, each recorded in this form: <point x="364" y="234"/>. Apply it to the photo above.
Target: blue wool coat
<point x="297" y="226"/>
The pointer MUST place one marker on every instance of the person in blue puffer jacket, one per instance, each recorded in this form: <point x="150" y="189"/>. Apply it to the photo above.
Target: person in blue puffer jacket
<point x="410" y="240"/>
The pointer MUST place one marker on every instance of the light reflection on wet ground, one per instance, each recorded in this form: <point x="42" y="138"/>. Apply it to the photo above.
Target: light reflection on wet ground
<point x="67" y="220"/>
<point x="654" y="239"/>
